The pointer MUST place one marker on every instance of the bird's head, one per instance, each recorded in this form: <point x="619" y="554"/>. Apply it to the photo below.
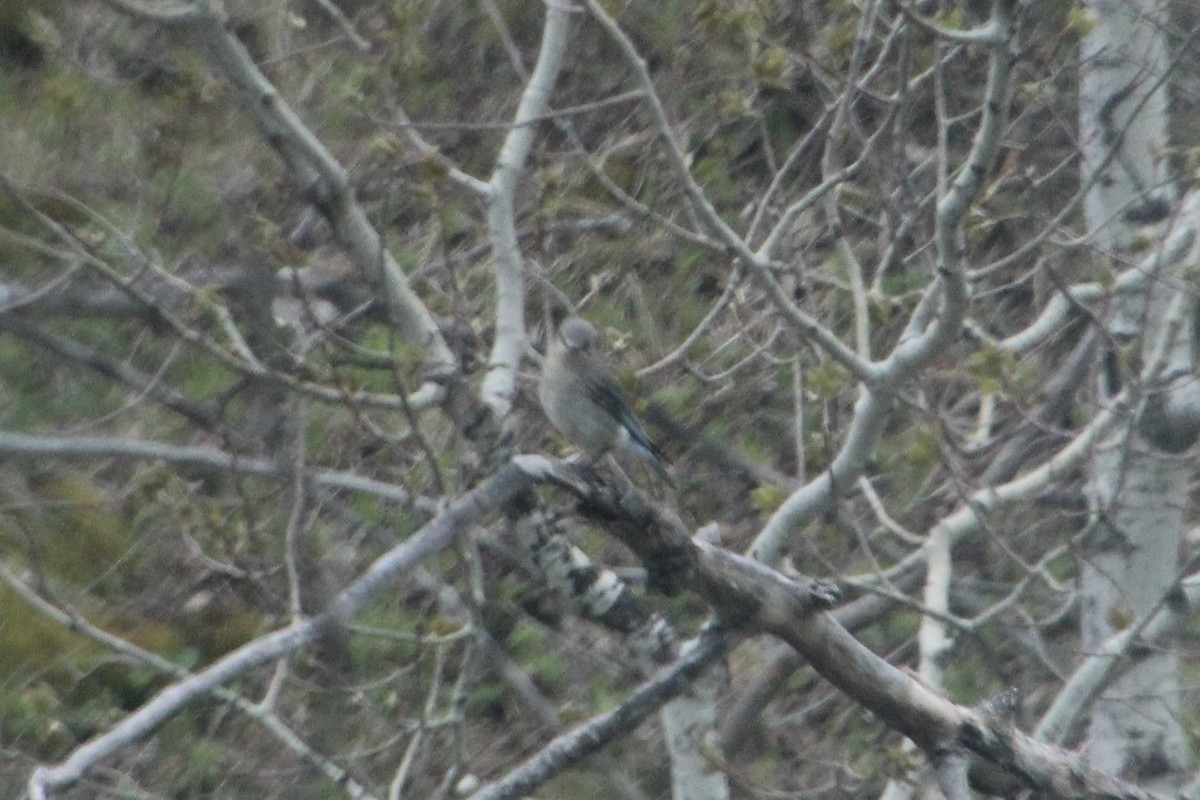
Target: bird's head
<point x="577" y="335"/>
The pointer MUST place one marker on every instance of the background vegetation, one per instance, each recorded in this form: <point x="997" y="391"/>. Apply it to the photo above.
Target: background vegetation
<point x="169" y="278"/>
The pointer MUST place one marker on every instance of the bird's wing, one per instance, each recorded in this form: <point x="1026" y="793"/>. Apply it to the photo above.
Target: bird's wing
<point x="606" y="393"/>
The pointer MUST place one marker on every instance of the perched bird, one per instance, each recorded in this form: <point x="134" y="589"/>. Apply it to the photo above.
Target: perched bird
<point x="583" y="400"/>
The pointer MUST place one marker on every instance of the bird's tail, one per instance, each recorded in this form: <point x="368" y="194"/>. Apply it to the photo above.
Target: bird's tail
<point x="640" y="443"/>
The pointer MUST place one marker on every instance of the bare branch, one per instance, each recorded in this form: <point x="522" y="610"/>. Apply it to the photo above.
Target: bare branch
<point x="435" y="535"/>
<point x="509" y="346"/>
<point x="324" y="182"/>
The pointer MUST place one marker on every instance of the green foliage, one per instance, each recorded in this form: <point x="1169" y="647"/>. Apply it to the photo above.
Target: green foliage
<point x="66" y="92"/>
<point x="712" y="169"/>
<point x="34" y="645"/>
<point x="968" y="683"/>
<point x="768" y="67"/>
<point x="545" y="664"/>
<point x="952" y="19"/>
<point x="486" y="698"/>
<point x="680" y="396"/>
<point x="827" y="379"/>
<point x="50" y="397"/>
<point x="734" y="104"/>
<point x="989" y="365"/>
<point x="32" y="717"/>
<point x="1121" y="617"/>
<point x="194" y="764"/>
<point x="402" y="647"/>
<point x="191" y="563"/>
<point x="841" y="37"/>
<point x="768" y="498"/>
<point x="76" y="534"/>
<point x="922" y="447"/>
<point x="1080" y="21"/>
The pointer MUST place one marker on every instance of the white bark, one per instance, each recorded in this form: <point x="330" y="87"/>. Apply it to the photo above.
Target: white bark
<point x="499" y="385"/>
<point x="314" y="169"/>
<point x="1137" y="492"/>
<point x="689" y="724"/>
<point x="935" y="323"/>
<point x="1123" y="114"/>
<point x="383" y="572"/>
<point x="932" y="639"/>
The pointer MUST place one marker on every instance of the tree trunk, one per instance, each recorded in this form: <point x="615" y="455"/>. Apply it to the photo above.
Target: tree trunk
<point x="1137" y="489"/>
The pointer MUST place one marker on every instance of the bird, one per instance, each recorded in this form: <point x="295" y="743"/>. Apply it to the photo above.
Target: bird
<point x="585" y="403"/>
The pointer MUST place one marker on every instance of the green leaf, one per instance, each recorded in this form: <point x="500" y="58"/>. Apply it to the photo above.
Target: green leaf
<point x="766" y="499"/>
<point x="1080" y="21"/>
<point x="827" y="379"/>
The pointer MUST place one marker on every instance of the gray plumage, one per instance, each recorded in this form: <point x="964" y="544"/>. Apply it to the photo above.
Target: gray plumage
<point x="584" y="401"/>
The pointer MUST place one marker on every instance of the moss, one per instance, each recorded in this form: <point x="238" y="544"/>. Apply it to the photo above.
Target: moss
<point x="32" y="644"/>
<point x="72" y="531"/>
